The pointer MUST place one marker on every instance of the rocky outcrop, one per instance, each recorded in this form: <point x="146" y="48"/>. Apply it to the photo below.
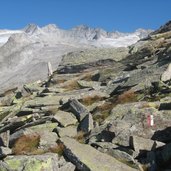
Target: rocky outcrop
<point x="165" y="28"/>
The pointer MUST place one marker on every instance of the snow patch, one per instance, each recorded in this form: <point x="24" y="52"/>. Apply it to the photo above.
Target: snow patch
<point x="5" y="34"/>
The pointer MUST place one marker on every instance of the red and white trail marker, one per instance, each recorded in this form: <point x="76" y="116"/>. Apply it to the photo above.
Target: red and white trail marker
<point x="150" y="120"/>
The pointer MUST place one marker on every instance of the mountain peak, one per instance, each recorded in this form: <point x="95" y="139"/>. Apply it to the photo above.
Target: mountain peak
<point x="50" y="28"/>
<point x="31" y="28"/>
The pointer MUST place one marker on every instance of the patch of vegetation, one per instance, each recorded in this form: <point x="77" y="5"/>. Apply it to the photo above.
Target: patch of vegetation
<point x="80" y="137"/>
<point x="26" y="144"/>
<point x="58" y="148"/>
<point x="127" y="97"/>
<point x="101" y="112"/>
<point x="150" y="104"/>
<point x="100" y="117"/>
<point x="87" y="76"/>
<point x="89" y="100"/>
<point x="71" y="85"/>
<point x="29" y="144"/>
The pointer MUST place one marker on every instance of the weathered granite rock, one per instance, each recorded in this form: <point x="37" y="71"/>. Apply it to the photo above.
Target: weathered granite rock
<point x="122" y="156"/>
<point x="4" y="151"/>
<point x="7" y="100"/>
<point x="4" y="138"/>
<point x="68" y="166"/>
<point x="78" y="109"/>
<point x="166" y="76"/>
<point x="122" y="132"/>
<point x="70" y="131"/>
<point x="120" y="153"/>
<point x="93" y="160"/>
<point x="65" y="118"/>
<point x="47" y="139"/>
<point x="45" y="162"/>
<point x="48" y="126"/>
<point x="101" y="134"/>
<point x="139" y="143"/>
<point x="43" y="101"/>
<point x="89" y="84"/>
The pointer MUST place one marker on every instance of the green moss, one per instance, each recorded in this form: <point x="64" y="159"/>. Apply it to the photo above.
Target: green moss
<point x="89" y="100"/>
<point x="26" y="144"/>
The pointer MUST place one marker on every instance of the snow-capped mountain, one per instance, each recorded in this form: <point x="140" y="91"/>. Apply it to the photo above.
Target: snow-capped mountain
<point x="24" y="53"/>
<point x="80" y="34"/>
<point x="5" y="34"/>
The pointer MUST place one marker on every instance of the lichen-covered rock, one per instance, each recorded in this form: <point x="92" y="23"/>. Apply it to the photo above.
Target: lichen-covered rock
<point x="87" y="158"/>
<point x="70" y="131"/>
<point x="89" y="84"/>
<point x="140" y="144"/>
<point x="45" y="162"/>
<point x="65" y="118"/>
<point x="78" y="109"/>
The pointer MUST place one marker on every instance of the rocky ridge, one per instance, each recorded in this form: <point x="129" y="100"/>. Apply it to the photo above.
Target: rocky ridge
<point x="109" y="112"/>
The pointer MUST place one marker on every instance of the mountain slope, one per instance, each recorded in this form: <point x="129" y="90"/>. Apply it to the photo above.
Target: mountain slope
<point x="24" y="54"/>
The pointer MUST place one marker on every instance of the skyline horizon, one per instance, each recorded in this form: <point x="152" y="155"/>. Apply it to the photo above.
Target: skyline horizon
<point x="79" y="25"/>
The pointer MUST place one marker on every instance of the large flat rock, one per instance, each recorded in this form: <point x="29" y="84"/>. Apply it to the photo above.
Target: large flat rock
<point x="65" y="118"/>
<point x="87" y="158"/>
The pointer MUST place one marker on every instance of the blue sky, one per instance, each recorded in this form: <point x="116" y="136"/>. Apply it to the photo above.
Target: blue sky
<point x="121" y="15"/>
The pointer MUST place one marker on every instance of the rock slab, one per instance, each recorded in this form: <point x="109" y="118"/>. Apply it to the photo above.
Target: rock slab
<point x="87" y="158"/>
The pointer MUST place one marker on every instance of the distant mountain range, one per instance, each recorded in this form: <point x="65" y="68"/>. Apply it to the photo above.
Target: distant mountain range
<point x="81" y="34"/>
<point x="24" y="53"/>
